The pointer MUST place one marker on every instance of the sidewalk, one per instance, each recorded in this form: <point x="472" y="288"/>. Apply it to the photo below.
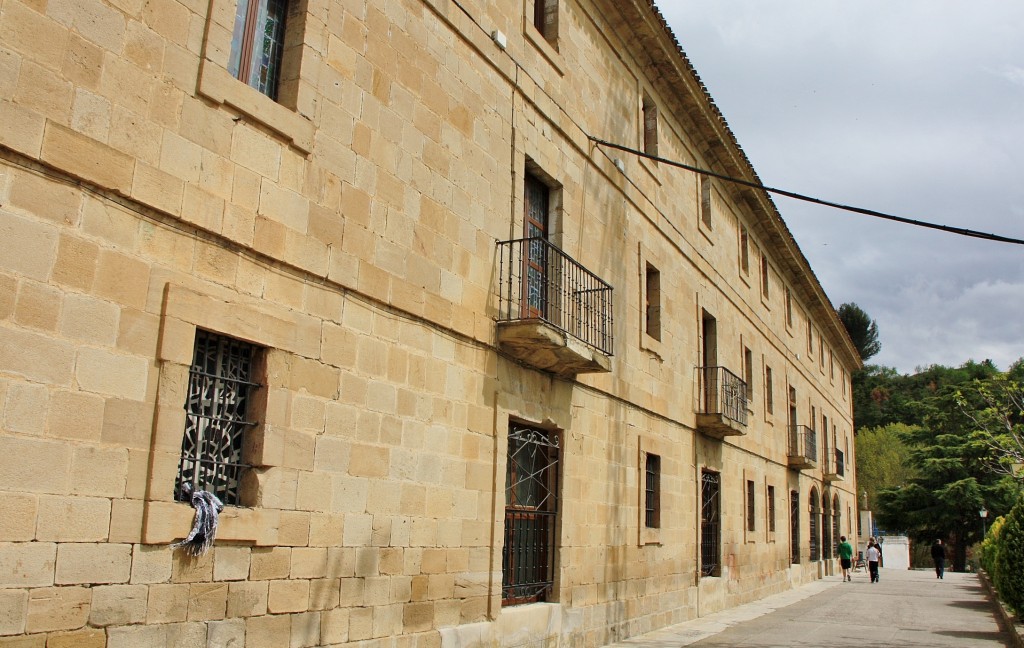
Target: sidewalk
<point x="907" y="608"/>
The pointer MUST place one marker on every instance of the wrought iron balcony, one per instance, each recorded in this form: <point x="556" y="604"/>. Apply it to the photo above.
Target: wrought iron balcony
<point x="722" y="406"/>
<point x="835" y="466"/>
<point x="803" y="447"/>
<point x="553" y="313"/>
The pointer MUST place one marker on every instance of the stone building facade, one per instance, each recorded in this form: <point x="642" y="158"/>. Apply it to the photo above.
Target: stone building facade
<point x="462" y="375"/>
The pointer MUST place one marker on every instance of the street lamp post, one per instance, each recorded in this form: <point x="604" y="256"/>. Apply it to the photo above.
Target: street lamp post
<point x="984" y="514"/>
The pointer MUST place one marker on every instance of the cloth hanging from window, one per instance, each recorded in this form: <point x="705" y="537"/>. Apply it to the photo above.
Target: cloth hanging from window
<point x="204" y="526"/>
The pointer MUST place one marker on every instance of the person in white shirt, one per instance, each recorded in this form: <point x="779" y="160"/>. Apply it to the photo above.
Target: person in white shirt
<point x="873" y="555"/>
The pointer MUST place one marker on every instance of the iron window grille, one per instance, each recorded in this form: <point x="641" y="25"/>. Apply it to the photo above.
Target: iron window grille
<point x="771" y="509"/>
<point x="652" y="492"/>
<point x="257" y="44"/>
<point x="836" y="526"/>
<point x="710" y="524"/>
<point x="794" y="527"/>
<point x="815" y="539"/>
<point x="219" y="388"/>
<point x="540" y="281"/>
<point x="531" y="507"/>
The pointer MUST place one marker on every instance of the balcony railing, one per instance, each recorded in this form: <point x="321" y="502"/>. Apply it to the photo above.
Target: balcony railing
<point x="836" y="468"/>
<point x="722" y="406"/>
<point x="803" y="447"/>
<point x="553" y="313"/>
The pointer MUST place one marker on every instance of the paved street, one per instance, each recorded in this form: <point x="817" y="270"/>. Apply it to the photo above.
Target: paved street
<point x="907" y="608"/>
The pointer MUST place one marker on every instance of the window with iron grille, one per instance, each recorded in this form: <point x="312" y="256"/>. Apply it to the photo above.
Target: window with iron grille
<point x="652" y="492"/>
<point x="794" y="526"/>
<point x="815" y="539"/>
<point x="258" y="44"/>
<point x="710" y="524"/>
<point x="220" y="385"/>
<point x="771" y="509"/>
<point x="751" y="526"/>
<point x="837" y="513"/>
<point x="531" y="507"/>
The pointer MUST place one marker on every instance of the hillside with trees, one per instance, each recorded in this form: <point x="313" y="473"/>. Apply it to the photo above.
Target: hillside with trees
<point x="936" y="447"/>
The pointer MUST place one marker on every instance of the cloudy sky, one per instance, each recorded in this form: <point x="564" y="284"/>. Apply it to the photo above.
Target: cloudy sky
<point x="913" y="108"/>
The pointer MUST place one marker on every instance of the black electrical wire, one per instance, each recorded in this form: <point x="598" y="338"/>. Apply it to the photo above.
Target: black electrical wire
<point x="789" y="194"/>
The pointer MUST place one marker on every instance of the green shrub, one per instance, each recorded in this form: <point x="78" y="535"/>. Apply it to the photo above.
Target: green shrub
<point x="990" y="548"/>
<point x="1010" y="560"/>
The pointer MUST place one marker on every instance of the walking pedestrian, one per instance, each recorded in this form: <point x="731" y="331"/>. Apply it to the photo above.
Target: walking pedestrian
<point x="874" y="554"/>
<point x="939" y="556"/>
<point x="845" y="557"/>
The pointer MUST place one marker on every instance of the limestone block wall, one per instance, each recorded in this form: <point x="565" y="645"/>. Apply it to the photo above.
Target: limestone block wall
<point x="349" y="233"/>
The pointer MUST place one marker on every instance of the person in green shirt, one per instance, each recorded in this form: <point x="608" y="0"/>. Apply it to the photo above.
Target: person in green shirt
<point x="845" y="557"/>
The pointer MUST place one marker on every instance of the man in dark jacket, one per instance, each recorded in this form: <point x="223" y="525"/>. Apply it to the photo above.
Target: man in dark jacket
<point x="939" y="556"/>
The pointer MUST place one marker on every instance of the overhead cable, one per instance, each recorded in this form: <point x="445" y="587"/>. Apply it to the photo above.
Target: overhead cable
<point x="827" y="203"/>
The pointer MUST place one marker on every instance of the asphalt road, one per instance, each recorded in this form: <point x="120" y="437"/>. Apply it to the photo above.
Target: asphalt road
<point x="906" y="608"/>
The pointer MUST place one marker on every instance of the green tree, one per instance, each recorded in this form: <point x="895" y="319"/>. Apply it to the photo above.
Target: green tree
<point x="883" y="459"/>
<point x="862" y="329"/>
<point x="952" y="480"/>
<point x="1010" y="560"/>
<point x="995" y="406"/>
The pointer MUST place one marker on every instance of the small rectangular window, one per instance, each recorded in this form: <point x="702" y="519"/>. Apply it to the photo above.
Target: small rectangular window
<point x="650" y="117"/>
<point x="771" y="509"/>
<point x="821" y="352"/>
<point x="744" y="250"/>
<point x="705" y="201"/>
<point x="258" y="43"/>
<point x="652" y="302"/>
<point x="831" y="365"/>
<point x="652" y="492"/>
<point x="764" y="276"/>
<point x="751" y="526"/>
<point x="769" y="397"/>
<point x="220" y="386"/>
<point x="789" y="307"/>
<point x="545" y="19"/>
<point x="748" y="373"/>
<point x="810" y="338"/>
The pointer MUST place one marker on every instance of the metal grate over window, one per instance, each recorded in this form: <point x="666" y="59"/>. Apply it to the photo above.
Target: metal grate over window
<point x="219" y="386"/>
<point x="815" y="538"/>
<point x="531" y="507"/>
<point x="771" y="509"/>
<point x="710" y="524"/>
<point x="836" y="526"/>
<point x="794" y="527"/>
<point x="652" y="492"/>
